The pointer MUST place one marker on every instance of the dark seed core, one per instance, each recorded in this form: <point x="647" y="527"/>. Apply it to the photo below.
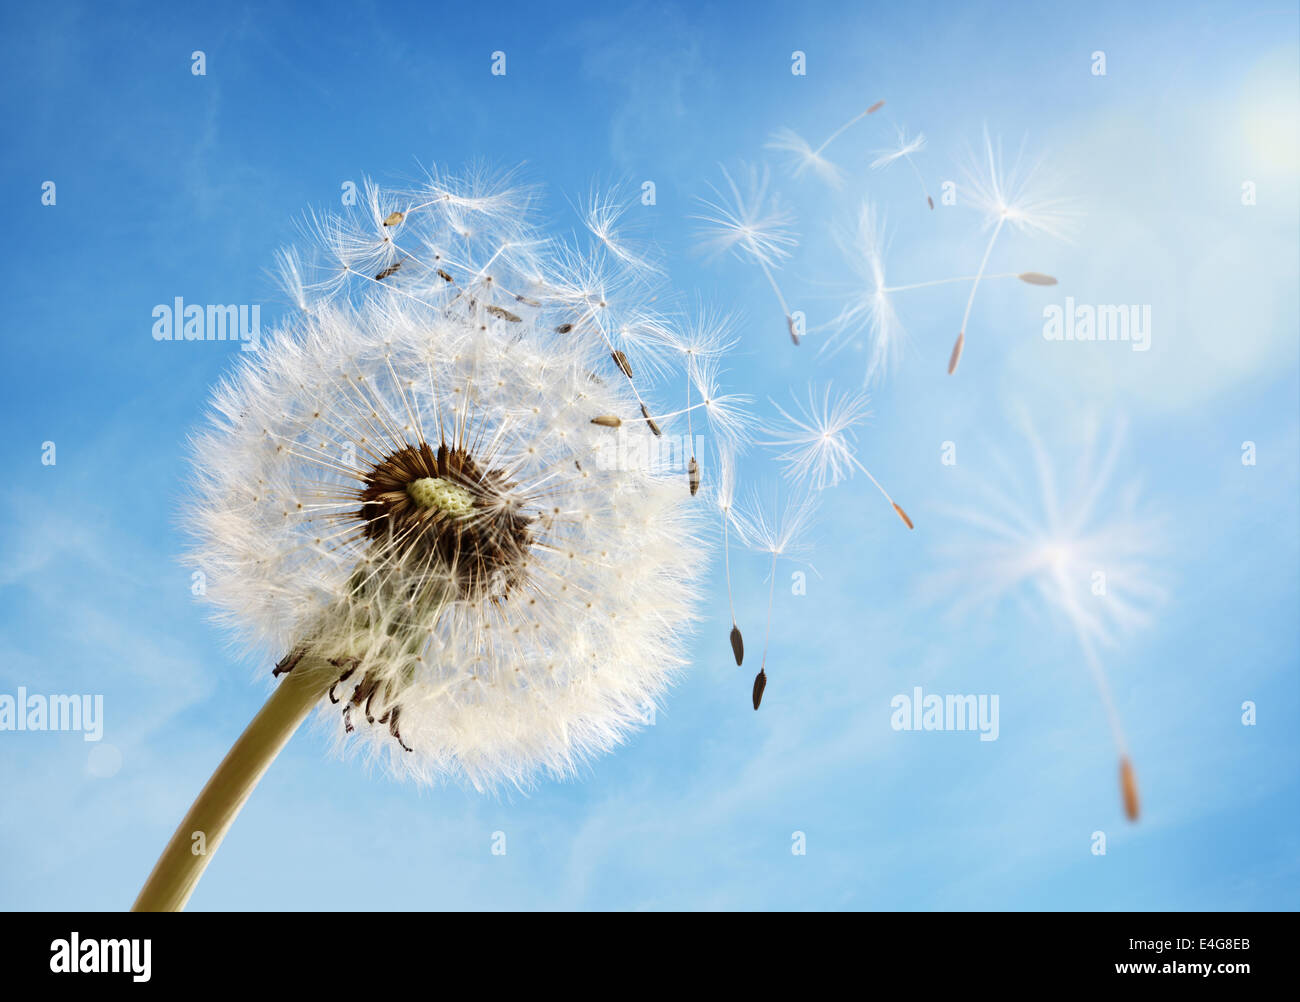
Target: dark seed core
<point x="484" y="549"/>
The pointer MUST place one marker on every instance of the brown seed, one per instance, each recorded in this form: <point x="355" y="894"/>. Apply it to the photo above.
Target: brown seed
<point x="1036" y="278"/>
<point x="737" y="644"/>
<point x="693" y="475"/>
<point x="956" y="353"/>
<point x="875" y="107"/>
<point x="394" y="218"/>
<point x="650" y="421"/>
<point x="1128" y="784"/>
<point x="621" y="361"/>
<point x="760" y="683"/>
<point x="504" y="314"/>
<point x="607" y="421"/>
<point x="564" y="328"/>
<point x="794" y="334"/>
<point x="526" y="301"/>
<point x="903" y="515"/>
<point x="930" y="200"/>
<point x="443" y="275"/>
<point x="390" y="270"/>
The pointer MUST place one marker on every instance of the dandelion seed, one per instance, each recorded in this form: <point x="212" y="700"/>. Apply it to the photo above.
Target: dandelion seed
<point x="817" y="443"/>
<point x="621" y="361"/>
<point x="463" y="595"/>
<point x="503" y="314"/>
<point x="1014" y="195"/>
<point x="1128" y="787"/>
<point x="903" y="151"/>
<point x="737" y="645"/>
<point x="1040" y="541"/>
<point x="724" y="496"/>
<point x="389" y="271"/>
<point x="870" y="307"/>
<point x="780" y="532"/>
<point x="393" y="218"/>
<point x="753" y="226"/>
<point x="806" y="158"/>
<point x="601" y="216"/>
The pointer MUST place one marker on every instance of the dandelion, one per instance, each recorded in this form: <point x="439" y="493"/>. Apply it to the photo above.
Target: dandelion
<point x="819" y="440"/>
<point x="806" y="158"/>
<point x="395" y="494"/>
<point x="779" y="531"/>
<point x="870" y="307"/>
<point x="752" y="225"/>
<point x="903" y="151"/>
<point x="1004" y="195"/>
<point x="1050" y="551"/>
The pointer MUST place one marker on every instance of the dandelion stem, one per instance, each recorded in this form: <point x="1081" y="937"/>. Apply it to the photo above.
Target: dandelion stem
<point x="179" y="868"/>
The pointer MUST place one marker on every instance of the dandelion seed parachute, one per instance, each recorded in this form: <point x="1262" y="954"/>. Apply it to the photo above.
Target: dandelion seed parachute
<point x="1045" y="540"/>
<point x="405" y="493"/>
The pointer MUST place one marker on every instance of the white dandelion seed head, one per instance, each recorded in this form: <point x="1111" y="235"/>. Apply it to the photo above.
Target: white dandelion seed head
<point x="405" y="482"/>
<point x="746" y="220"/>
<point x="817" y="440"/>
<point x="1020" y="194"/>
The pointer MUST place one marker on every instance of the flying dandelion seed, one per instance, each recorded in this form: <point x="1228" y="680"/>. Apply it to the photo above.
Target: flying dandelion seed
<point x="701" y="345"/>
<point x="779" y="531"/>
<point x="1018" y="195"/>
<point x="1051" y="554"/>
<point x="724" y="497"/>
<point x="869" y="308"/>
<point x="804" y="158"/>
<point x="601" y="215"/>
<point x="394" y="493"/>
<point x="903" y="151"/>
<point x="754" y="226"/>
<point x="817" y="443"/>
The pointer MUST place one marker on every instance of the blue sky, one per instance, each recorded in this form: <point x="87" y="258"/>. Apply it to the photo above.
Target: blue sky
<point x="172" y="185"/>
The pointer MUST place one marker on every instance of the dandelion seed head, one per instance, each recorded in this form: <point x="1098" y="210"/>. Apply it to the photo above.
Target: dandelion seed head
<point x="402" y="482"/>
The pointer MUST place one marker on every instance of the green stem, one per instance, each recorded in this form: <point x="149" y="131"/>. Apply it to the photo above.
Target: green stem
<point x="180" y="866"/>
